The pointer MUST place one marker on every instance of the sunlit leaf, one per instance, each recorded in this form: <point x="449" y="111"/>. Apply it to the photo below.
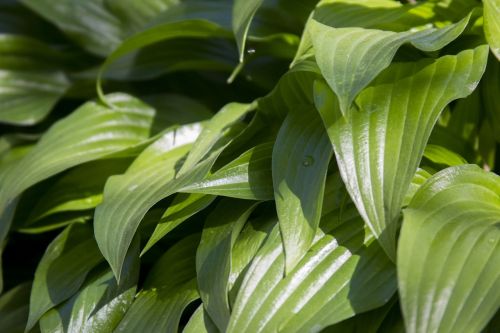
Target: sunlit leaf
<point x="449" y="252"/>
<point x="379" y="148"/>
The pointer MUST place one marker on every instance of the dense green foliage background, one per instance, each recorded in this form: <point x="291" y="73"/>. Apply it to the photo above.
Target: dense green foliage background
<point x="250" y="166"/>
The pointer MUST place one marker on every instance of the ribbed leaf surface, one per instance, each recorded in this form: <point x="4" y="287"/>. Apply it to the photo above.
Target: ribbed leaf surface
<point x="380" y="147"/>
<point x="449" y="252"/>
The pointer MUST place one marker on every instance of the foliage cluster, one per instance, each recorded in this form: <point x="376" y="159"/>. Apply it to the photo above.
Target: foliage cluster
<point x="250" y="166"/>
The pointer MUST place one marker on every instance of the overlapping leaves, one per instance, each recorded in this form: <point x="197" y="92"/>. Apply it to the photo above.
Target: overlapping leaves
<point x="331" y="191"/>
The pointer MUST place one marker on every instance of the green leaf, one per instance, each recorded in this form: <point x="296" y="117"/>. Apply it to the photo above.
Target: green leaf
<point x="128" y="197"/>
<point x="168" y="289"/>
<point x="350" y="58"/>
<point x="100" y="304"/>
<point x="449" y="252"/>
<point x="63" y="269"/>
<point x="492" y="25"/>
<point x="380" y="147"/>
<point x="14" y="307"/>
<point x="180" y="209"/>
<point x="245" y="247"/>
<point x="26" y="97"/>
<point x="243" y="13"/>
<point x="441" y="155"/>
<point x="300" y="161"/>
<point x="69" y="143"/>
<point x="249" y="177"/>
<point x="344" y="263"/>
<point x="153" y="176"/>
<point x="214" y="131"/>
<point x="89" y="23"/>
<point x="213" y="258"/>
<point x="79" y="189"/>
<point x="200" y="322"/>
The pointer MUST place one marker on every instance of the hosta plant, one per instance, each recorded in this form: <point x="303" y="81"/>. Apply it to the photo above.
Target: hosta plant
<point x="250" y="166"/>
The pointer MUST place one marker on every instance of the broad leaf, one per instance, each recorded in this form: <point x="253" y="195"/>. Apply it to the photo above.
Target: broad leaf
<point x="89" y="23"/>
<point x="449" y="252"/>
<point x="128" y="197"/>
<point x="14" y="307"/>
<point x="441" y="155"/>
<point x="247" y="177"/>
<point x="79" y="189"/>
<point x="67" y="143"/>
<point x="168" y="289"/>
<point x="100" y="304"/>
<point x="214" y="130"/>
<point x="180" y="209"/>
<point x="243" y="13"/>
<point x="213" y="258"/>
<point x="26" y="97"/>
<point x="153" y="176"/>
<point x="380" y="147"/>
<point x="492" y="25"/>
<point x="350" y="58"/>
<point x="344" y="263"/>
<point x="63" y="269"/>
<point x="300" y="160"/>
<point x="200" y="322"/>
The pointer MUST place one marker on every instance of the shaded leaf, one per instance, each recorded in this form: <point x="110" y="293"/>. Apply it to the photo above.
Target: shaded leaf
<point x="62" y="269"/>
<point x="14" y="307"/>
<point x="300" y="160"/>
<point x="180" y="209"/>
<point x="26" y="97"/>
<point x="168" y="289"/>
<point x="100" y="304"/>
<point x="243" y="13"/>
<point x="213" y="257"/>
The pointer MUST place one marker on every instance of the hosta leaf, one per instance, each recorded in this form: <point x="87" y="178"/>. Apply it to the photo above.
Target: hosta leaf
<point x="300" y="160"/>
<point x="214" y="130"/>
<point x="350" y="58"/>
<point x="169" y="288"/>
<point x="187" y="20"/>
<point x="79" y="189"/>
<point x="180" y="209"/>
<point x="63" y="269"/>
<point x="200" y="322"/>
<point x="294" y="90"/>
<point x="418" y="180"/>
<point x="441" y="155"/>
<point x="89" y="23"/>
<point x="26" y="97"/>
<point x="101" y="302"/>
<point x="449" y="252"/>
<point x="245" y="247"/>
<point x="153" y="176"/>
<point x="492" y="25"/>
<point x="379" y="148"/>
<point x="344" y="273"/>
<point x="213" y="257"/>
<point x="137" y="14"/>
<point x="128" y="197"/>
<point x="247" y="177"/>
<point x="91" y="132"/>
<point x="14" y="307"/>
<point x="243" y="13"/>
